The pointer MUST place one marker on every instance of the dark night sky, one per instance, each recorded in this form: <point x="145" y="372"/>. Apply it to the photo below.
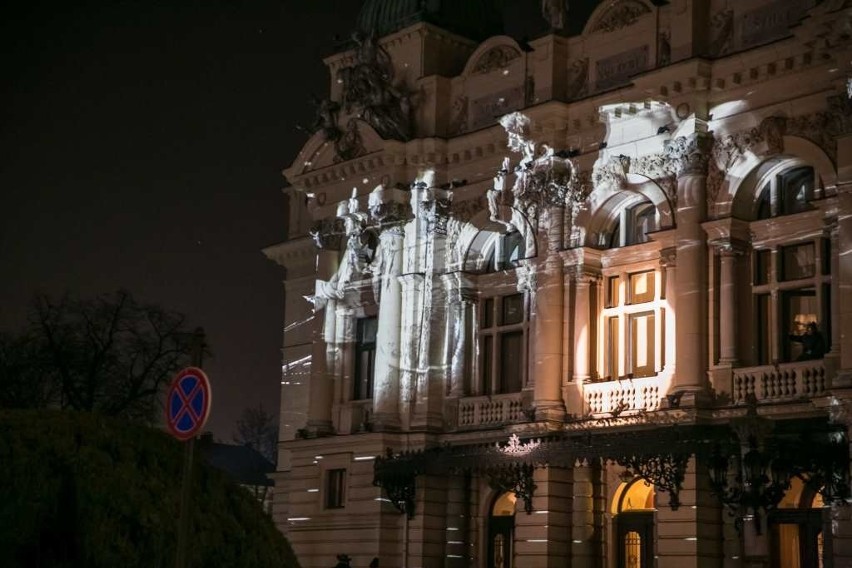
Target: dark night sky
<point x="142" y="143"/>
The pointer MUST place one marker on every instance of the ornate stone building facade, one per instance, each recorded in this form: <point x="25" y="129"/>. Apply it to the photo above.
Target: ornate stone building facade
<point x="581" y="301"/>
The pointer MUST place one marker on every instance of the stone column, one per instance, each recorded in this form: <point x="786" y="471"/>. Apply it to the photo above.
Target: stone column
<point x="689" y="156"/>
<point x="728" y="329"/>
<point x="412" y="285"/>
<point x="843" y="276"/>
<point x="321" y="391"/>
<point x="582" y="327"/>
<point x="668" y="261"/>
<point x="585" y="526"/>
<point x="459" y="332"/>
<point x="389" y="298"/>
<point x="546" y="341"/>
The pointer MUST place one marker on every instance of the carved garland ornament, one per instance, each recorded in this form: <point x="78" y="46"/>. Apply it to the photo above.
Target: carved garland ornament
<point x="495" y="58"/>
<point x="620" y="16"/>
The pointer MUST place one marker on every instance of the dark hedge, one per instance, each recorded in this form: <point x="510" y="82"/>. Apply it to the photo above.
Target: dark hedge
<point x="79" y="489"/>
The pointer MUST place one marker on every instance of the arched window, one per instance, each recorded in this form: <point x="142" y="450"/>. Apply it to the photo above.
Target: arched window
<point x="633" y="225"/>
<point x="786" y="193"/>
<point x="503" y="251"/>
<point x="791" y="273"/>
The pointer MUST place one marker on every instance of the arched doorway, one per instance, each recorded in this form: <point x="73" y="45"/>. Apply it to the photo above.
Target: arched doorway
<point x="796" y="528"/>
<point x="633" y="510"/>
<point x="501" y="531"/>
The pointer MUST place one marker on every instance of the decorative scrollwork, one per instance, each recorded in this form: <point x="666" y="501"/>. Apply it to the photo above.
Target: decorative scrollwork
<point x="517" y="478"/>
<point x="664" y="471"/>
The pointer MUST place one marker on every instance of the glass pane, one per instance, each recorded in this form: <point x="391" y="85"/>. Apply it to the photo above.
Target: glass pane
<point x="805" y="340"/>
<point x="764" y="208"/>
<point x="797" y="261"/>
<point x="513" y="309"/>
<point x="633" y="550"/>
<point x="762" y="266"/>
<point x="334" y="490"/>
<point x="642" y="345"/>
<point x="487" y="312"/>
<point x="612" y="349"/>
<point x="487" y="363"/>
<point x="796" y="190"/>
<point x="367" y="328"/>
<point x="826" y="256"/>
<point x="642" y="221"/>
<point x="762" y="339"/>
<point x="612" y="289"/>
<point x="788" y="553"/>
<point x="642" y="287"/>
<point x="511" y="351"/>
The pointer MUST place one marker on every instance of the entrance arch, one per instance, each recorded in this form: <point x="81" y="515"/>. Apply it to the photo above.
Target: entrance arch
<point x="501" y="531"/>
<point x="633" y="511"/>
<point x="797" y="534"/>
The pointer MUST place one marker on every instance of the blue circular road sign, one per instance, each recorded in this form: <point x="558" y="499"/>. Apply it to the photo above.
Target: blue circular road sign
<point x="188" y="403"/>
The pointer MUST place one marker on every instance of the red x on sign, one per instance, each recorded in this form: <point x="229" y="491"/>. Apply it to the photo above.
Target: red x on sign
<point x="188" y="403"/>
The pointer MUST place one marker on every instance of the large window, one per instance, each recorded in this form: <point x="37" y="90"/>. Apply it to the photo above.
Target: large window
<point x="365" y="358"/>
<point x="792" y="297"/>
<point x="632" y="321"/>
<point x="502" y="344"/>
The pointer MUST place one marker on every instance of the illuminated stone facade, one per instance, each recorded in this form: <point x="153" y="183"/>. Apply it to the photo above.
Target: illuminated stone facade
<point x="522" y="280"/>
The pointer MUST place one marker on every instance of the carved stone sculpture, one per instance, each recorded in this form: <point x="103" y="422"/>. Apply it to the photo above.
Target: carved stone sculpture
<point x="368" y="90"/>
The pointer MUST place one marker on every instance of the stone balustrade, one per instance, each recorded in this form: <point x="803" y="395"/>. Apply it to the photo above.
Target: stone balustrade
<point x="787" y="381"/>
<point x="481" y="411"/>
<point x="615" y="397"/>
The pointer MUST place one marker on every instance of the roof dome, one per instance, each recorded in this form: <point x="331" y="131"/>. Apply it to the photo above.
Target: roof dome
<point x="475" y="19"/>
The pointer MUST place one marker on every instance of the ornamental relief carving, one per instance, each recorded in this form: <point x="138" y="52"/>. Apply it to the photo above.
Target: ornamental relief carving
<point x="495" y="58"/>
<point x="689" y="155"/>
<point x="620" y="16"/>
<point x="659" y="169"/>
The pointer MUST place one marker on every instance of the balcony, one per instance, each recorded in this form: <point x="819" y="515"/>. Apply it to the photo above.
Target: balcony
<point x="616" y="397"/>
<point x="485" y="411"/>
<point x="777" y="383"/>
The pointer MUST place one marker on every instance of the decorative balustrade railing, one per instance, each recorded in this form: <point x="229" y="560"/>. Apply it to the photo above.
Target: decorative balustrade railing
<point x="787" y="381"/>
<point x="490" y="410"/>
<point x="615" y="397"/>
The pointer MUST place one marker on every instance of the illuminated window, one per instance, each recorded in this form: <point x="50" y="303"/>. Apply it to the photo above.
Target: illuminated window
<point x="502" y="344"/>
<point x="632" y="326"/>
<point x="365" y="358"/>
<point x="335" y="488"/>
<point x="791" y="299"/>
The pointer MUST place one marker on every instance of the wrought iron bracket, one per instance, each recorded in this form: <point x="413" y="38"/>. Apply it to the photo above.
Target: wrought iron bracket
<point x="517" y="478"/>
<point x="664" y="471"/>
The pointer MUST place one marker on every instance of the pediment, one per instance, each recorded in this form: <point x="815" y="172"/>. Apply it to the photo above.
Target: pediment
<point x="357" y="139"/>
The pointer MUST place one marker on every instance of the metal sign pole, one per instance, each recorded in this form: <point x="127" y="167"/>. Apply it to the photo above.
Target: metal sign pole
<point x="186" y="478"/>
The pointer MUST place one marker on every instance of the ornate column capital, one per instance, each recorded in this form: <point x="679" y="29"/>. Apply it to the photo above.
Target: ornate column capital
<point x="582" y="277"/>
<point x="668" y="257"/>
<point x="729" y="247"/>
<point x="690" y="155"/>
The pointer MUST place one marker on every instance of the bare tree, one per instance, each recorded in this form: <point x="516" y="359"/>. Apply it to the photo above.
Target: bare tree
<point x="258" y="428"/>
<point x="110" y="354"/>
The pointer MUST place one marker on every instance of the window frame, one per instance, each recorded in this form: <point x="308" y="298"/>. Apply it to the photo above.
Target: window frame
<point x="490" y="378"/>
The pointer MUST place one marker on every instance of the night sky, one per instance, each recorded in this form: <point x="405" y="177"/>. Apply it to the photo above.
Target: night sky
<point x="142" y="143"/>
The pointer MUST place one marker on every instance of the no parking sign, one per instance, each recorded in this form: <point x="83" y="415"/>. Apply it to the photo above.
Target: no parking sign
<point x="188" y="403"/>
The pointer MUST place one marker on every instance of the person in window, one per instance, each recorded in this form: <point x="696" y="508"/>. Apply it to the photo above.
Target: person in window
<point x="813" y="344"/>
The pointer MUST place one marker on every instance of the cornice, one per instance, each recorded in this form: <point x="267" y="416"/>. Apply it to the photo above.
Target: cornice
<point x="291" y="253"/>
